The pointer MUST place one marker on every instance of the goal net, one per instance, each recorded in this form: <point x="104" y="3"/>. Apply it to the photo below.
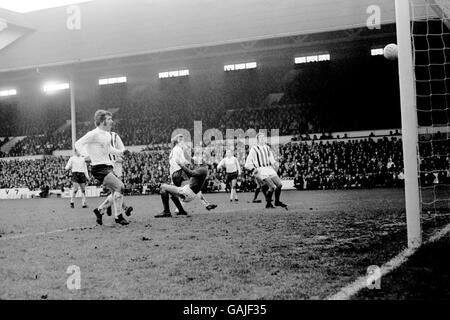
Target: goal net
<point x="430" y="33"/>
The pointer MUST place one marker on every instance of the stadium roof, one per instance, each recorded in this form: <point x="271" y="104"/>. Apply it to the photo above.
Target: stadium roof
<point x="33" y="5"/>
<point x="115" y="28"/>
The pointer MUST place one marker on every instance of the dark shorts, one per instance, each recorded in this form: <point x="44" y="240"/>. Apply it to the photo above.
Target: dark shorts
<point x="78" y="177"/>
<point x="231" y="176"/>
<point x="100" y="171"/>
<point x="178" y="177"/>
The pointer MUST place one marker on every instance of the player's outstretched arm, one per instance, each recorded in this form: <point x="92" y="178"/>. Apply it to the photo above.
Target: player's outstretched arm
<point x="86" y="173"/>
<point x="69" y="164"/>
<point x="249" y="163"/>
<point x="120" y="145"/>
<point x="117" y="152"/>
<point x="221" y="164"/>
<point x="272" y="160"/>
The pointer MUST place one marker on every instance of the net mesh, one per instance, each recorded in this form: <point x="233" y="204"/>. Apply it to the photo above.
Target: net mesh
<point x="431" y="59"/>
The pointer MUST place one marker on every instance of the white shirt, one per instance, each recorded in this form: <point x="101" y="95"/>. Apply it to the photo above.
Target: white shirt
<point x="77" y="164"/>
<point x="231" y="165"/>
<point x="97" y="145"/>
<point x="177" y="155"/>
<point x="390" y="164"/>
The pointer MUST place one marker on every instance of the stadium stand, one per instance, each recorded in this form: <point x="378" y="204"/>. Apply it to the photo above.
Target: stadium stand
<point x="328" y="164"/>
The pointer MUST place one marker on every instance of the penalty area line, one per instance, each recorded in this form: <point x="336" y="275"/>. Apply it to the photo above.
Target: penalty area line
<point x="353" y="288"/>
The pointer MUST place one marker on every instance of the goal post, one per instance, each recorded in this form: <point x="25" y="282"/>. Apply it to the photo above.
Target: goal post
<point x="423" y="36"/>
<point x="409" y="122"/>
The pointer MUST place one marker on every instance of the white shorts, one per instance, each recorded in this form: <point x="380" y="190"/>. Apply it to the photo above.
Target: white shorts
<point x="118" y="169"/>
<point x="265" y="172"/>
<point x="186" y="193"/>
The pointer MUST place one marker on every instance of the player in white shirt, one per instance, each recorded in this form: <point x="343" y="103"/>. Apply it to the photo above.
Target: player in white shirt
<point x="117" y="143"/>
<point x="80" y="175"/>
<point x="233" y="170"/>
<point x="97" y="145"/>
<point x="261" y="162"/>
<point x="177" y="174"/>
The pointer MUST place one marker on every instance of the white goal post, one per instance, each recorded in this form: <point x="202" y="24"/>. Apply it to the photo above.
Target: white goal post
<point x="409" y="122"/>
<point x="423" y="40"/>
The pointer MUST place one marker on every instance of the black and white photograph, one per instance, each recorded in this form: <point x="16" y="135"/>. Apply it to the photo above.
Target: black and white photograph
<point x="224" y="153"/>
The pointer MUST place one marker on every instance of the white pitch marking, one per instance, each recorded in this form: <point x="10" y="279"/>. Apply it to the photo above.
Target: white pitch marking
<point x="36" y="234"/>
<point x="361" y="283"/>
<point x="43" y="233"/>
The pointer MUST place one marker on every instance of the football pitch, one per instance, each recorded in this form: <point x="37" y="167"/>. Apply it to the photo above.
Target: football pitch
<point x="240" y="250"/>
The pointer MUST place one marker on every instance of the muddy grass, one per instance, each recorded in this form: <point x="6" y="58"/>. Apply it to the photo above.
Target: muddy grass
<point x="240" y="251"/>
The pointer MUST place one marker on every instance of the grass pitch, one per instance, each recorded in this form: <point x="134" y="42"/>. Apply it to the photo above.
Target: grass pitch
<point x="239" y="251"/>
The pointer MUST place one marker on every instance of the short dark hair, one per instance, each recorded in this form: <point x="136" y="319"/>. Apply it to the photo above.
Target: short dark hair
<point x="100" y="116"/>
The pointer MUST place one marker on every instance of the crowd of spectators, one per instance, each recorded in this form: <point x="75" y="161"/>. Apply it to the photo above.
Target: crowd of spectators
<point x="34" y="174"/>
<point x="139" y="125"/>
<point x="332" y="164"/>
<point x="339" y="165"/>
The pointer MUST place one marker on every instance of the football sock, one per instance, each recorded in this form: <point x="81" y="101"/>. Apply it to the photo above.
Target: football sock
<point x="83" y="198"/>
<point x="264" y="190"/>
<point x="178" y="204"/>
<point x="203" y="200"/>
<point x="105" y="204"/>
<point x="165" y="201"/>
<point x="118" y="200"/>
<point x="269" y="196"/>
<point x="277" y="194"/>
<point x="258" y="189"/>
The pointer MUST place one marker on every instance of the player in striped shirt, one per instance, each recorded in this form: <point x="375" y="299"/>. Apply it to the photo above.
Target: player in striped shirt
<point x="116" y="142"/>
<point x="233" y="170"/>
<point x="80" y="175"/>
<point x="261" y="162"/>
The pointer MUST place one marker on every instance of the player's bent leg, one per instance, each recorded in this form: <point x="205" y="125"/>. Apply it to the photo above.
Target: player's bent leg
<point x="113" y="183"/>
<point x="167" y="188"/>
<point x="278" y="185"/>
<point x="118" y="200"/>
<point x="233" y="187"/>
<point x="107" y="204"/>
<point x="271" y="187"/>
<point x="166" y="191"/>
<point x="83" y="195"/>
<point x="73" y="194"/>
<point x="165" y="200"/>
<point x="208" y="206"/>
<point x="118" y="171"/>
<point x="116" y="185"/>
<point x="177" y="202"/>
<point x="257" y="190"/>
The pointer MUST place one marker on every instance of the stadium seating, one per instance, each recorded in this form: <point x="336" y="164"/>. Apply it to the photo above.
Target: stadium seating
<point x="330" y="164"/>
<point x="305" y="101"/>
